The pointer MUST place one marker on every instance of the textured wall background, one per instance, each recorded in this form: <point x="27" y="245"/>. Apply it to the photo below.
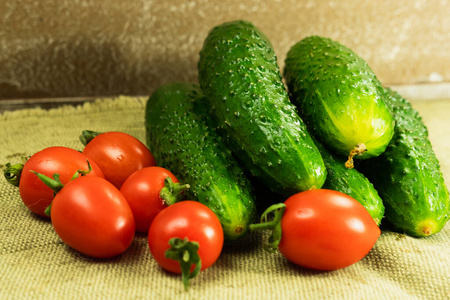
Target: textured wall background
<point x="54" y="48"/>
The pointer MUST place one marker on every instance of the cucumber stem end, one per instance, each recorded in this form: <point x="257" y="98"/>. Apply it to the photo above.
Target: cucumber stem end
<point x="358" y="150"/>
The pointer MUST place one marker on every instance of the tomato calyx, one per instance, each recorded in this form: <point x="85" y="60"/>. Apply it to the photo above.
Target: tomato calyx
<point x="172" y="192"/>
<point x="271" y="220"/>
<point x="186" y="253"/>
<point x="12" y="173"/>
<point x="55" y="183"/>
<point x="88" y="135"/>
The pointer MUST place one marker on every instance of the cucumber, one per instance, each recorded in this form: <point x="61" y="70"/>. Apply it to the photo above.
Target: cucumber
<point x="242" y="83"/>
<point x="351" y="182"/>
<point x="339" y="98"/>
<point x="408" y="177"/>
<point x="183" y="141"/>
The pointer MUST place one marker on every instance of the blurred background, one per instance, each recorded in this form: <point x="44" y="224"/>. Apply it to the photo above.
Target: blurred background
<point x="97" y="48"/>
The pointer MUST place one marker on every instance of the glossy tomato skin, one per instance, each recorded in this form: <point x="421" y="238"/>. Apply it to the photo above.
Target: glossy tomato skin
<point x="326" y="230"/>
<point x="141" y="189"/>
<point x="91" y="215"/>
<point x="118" y="155"/>
<point x="61" y="160"/>
<point x="186" y="219"/>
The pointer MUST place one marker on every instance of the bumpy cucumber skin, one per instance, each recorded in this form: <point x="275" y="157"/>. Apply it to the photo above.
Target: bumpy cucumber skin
<point x="240" y="78"/>
<point x="351" y="182"/>
<point x="408" y="177"/>
<point x="183" y="141"/>
<point x="338" y="96"/>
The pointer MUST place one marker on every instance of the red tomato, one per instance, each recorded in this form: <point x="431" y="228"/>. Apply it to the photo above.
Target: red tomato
<point x="91" y="215"/>
<point x="326" y="230"/>
<point x="118" y="155"/>
<point x="186" y="219"/>
<point x="62" y="160"/>
<point x="142" y="191"/>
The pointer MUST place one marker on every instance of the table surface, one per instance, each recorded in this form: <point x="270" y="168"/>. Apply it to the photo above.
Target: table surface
<point x="35" y="264"/>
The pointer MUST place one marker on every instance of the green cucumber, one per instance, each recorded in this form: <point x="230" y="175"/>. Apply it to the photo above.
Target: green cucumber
<point x="242" y="83"/>
<point x="339" y="98"/>
<point x="351" y="182"/>
<point x="407" y="175"/>
<point x="183" y="141"/>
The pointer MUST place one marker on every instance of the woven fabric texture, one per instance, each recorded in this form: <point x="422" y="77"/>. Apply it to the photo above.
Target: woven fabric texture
<point x="36" y="264"/>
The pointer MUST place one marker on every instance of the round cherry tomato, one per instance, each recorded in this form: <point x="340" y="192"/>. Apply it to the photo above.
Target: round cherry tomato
<point x="142" y="191"/>
<point x="326" y="230"/>
<point x="186" y="219"/>
<point x="91" y="215"/>
<point x="61" y="160"/>
<point x="118" y="155"/>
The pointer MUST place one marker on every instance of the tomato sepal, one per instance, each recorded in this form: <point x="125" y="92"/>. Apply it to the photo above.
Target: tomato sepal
<point x="271" y="220"/>
<point x="88" y="135"/>
<point x="172" y="192"/>
<point x="12" y="173"/>
<point x="55" y="183"/>
<point x="82" y="172"/>
<point x="48" y="210"/>
<point x="186" y="253"/>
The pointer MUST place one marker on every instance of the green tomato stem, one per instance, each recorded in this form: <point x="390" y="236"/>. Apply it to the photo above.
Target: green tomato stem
<point x="82" y="172"/>
<point x="276" y="211"/>
<point x="172" y="192"/>
<point x="88" y="135"/>
<point x="48" y="210"/>
<point x="185" y="252"/>
<point x="12" y="173"/>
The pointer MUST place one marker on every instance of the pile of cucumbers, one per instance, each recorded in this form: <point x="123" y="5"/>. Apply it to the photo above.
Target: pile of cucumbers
<point x="335" y="126"/>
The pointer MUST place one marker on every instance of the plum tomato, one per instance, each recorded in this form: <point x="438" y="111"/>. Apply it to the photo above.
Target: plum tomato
<point x="189" y="231"/>
<point x="91" y="216"/>
<point x="118" y="155"/>
<point x="148" y="191"/>
<point x="323" y="230"/>
<point x="61" y="160"/>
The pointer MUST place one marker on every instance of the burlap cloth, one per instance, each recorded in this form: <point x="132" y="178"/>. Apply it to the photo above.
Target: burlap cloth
<point x="35" y="264"/>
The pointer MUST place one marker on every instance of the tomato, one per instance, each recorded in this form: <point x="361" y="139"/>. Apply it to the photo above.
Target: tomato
<point x="118" y="155"/>
<point x="326" y="230"/>
<point x="91" y="215"/>
<point x="62" y="160"/>
<point x="321" y="229"/>
<point x="189" y="220"/>
<point x="142" y="191"/>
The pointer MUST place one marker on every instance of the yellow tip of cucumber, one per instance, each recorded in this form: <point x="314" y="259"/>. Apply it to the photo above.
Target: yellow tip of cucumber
<point x="427" y="228"/>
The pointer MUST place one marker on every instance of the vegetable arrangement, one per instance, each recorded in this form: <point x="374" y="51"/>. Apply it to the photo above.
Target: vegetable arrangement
<point x="92" y="215"/>
<point x="211" y="144"/>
